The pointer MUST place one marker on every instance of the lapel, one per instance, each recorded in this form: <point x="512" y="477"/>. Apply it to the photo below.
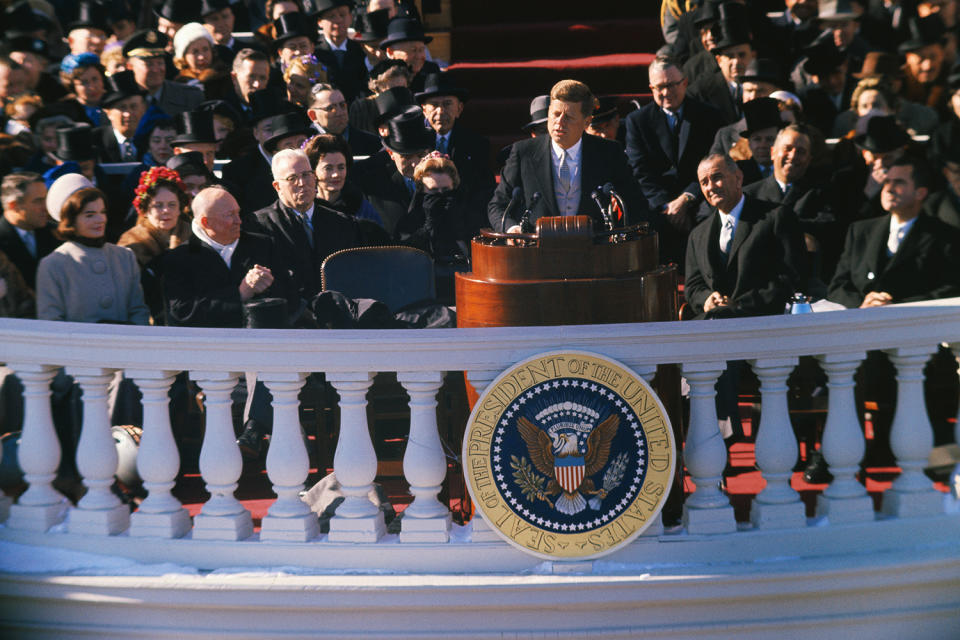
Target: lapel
<point x="876" y="243"/>
<point x="542" y="158"/>
<point x="910" y="246"/>
<point x="715" y="261"/>
<point x="740" y="234"/>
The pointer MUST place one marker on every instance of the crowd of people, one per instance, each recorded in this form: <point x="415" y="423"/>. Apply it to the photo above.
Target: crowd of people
<point x="817" y="151"/>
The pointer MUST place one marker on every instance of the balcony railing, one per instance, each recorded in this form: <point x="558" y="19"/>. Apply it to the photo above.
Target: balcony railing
<point x="223" y="534"/>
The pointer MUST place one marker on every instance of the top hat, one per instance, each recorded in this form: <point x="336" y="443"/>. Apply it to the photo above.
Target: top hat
<point x="408" y="134"/>
<point x="194" y="126"/>
<point x="21" y="19"/>
<point x="441" y="84"/>
<point x="90" y="15"/>
<point x="190" y="163"/>
<point x="119" y="86"/>
<point x="373" y="26"/>
<point x="285" y="125"/>
<point x="392" y="102"/>
<point x="27" y="44"/>
<point x="319" y="6"/>
<point x="212" y="6"/>
<point x="733" y="27"/>
<point x="761" y="113"/>
<point x="146" y="43"/>
<point x="883" y="134"/>
<point x="823" y="58"/>
<point x="836" y="11"/>
<point x="709" y="12"/>
<point x="222" y="108"/>
<point x="763" y="70"/>
<point x="924" y="31"/>
<point x="879" y="63"/>
<point x="539" y="107"/>
<point x="293" y="25"/>
<point x="76" y="143"/>
<point x="605" y="110"/>
<point x="118" y="10"/>
<point x="267" y="103"/>
<point x="404" y="30"/>
<point x="179" y="11"/>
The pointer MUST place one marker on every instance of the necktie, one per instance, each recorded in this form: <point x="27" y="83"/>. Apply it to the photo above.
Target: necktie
<point x="339" y="54"/>
<point x="127" y="152"/>
<point x="563" y="173"/>
<point x="726" y="237"/>
<point x="31" y="242"/>
<point x="442" y="144"/>
<point x="307" y="226"/>
<point x="411" y="185"/>
<point x="894" y="239"/>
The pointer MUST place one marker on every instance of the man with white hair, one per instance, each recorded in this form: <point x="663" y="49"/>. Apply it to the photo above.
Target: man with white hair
<point x="304" y="230"/>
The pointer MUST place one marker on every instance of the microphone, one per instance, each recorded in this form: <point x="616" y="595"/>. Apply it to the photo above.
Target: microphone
<point x="515" y="197"/>
<point x="609" y="190"/>
<point x="525" y="225"/>
<point x="596" y="196"/>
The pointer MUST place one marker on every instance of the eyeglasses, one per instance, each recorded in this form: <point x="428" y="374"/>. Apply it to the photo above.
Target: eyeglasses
<point x="666" y="86"/>
<point x="304" y="177"/>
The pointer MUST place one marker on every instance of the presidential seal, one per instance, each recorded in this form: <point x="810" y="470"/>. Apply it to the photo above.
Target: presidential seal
<point x="569" y="455"/>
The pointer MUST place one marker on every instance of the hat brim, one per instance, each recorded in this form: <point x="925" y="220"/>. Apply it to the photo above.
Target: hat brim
<point x="191" y="140"/>
<point x="112" y="98"/>
<point x="534" y="123"/>
<point x="272" y="141"/>
<point x="913" y="45"/>
<point x="864" y="141"/>
<point x="425" y="39"/>
<point x="463" y="94"/>
<point x="428" y="143"/>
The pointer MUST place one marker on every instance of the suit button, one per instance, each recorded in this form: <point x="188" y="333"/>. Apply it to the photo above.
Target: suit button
<point x="106" y="302"/>
<point x="99" y="267"/>
<point x="870" y="275"/>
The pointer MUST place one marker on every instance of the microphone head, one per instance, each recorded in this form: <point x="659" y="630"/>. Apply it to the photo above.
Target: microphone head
<point x="608" y="188"/>
<point x="535" y="198"/>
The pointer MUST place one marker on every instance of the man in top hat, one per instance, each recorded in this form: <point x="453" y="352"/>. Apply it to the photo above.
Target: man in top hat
<point x="33" y="55"/>
<point x="387" y="177"/>
<point x="925" y="73"/>
<point x="828" y="92"/>
<point x="762" y="77"/>
<point x="219" y="18"/>
<point x="344" y="58"/>
<point x="798" y="25"/>
<point x="329" y="113"/>
<point x="195" y="134"/>
<point x="564" y="167"/>
<point x="26" y="233"/>
<point x="146" y="51"/>
<point x="87" y="32"/>
<point x="193" y="171"/>
<point x="287" y="131"/>
<point x="606" y="122"/>
<point x="406" y="41"/>
<point x="173" y="14"/>
<point x="763" y="122"/>
<point x="123" y="105"/>
<point x="733" y="53"/>
<point x="442" y="102"/>
<point x="295" y="36"/>
<point x="666" y="140"/>
<point x="881" y="143"/>
<point x="370" y="33"/>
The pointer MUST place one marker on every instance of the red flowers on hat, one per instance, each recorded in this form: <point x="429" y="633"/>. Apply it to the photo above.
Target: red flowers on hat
<point x="151" y="177"/>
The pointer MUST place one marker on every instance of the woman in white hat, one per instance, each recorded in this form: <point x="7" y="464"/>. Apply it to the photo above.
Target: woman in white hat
<point x="195" y="55"/>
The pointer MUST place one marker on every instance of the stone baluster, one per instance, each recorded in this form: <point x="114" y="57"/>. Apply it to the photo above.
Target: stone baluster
<point x="222" y="517"/>
<point x="41" y="506"/>
<point x="288" y="464"/>
<point x="160" y="515"/>
<point x="707" y="510"/>
<point x="777" y="506"/>
<point x="99" y="511"/>
<point x="424" y="463"/>
<point x="355" y="464"/>
<point x="845" y="500"/>
<point x="647" y="372"/>
<point x="911" y="439"/>
<point x="481" y="531"/>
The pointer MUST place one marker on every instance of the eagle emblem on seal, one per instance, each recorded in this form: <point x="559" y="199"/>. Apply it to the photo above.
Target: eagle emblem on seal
<point x="568" y="452"/>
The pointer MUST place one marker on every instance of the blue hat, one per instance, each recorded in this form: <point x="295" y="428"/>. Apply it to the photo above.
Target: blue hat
<point x="51" y="175"/>
<point x="73" y="61"/>
<point x="153" y="116"/>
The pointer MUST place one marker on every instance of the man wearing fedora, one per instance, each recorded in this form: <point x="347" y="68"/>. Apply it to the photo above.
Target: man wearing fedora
<point x="195" y="133"/>
<point x="606" y="122"/>
<point x="564" y="168"/>
<point x="406" y="41"/>
<point x="123" y="105"/>
<point x="344" y="58"/>
<point x="329" y="113"/>
<point x="733" y="53"/>
<point x="387" y="177"/>
<point x="146" y="53"/>
<point x="442" y="102"/>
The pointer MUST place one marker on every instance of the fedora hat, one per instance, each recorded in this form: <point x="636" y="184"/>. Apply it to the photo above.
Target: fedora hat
<point x="179" y="11"/>
<point x="924" y="31"/>
<point x="194" y="126"/>
<point x="408" y="133"/>
<point x="539" y="107"/>
<point x="267" y="103"/>
<point x="761" y="113"/>
<point x="440" y="84"/>
<point x="823" y="58"/>
<point x="285" y="125"/>
<point x="372" y="26"/>
<point x="76" y="143"/>
<point x="320" y="6"/>
<point x="764" y="70"/>
<point x="879" y="63"/>
<point x="90" y="15"/>
<point x="212" y="6"/>
<point x="404" y="30"/>
<point x="836" y="11"/>
<point x="293" y="25"/>
<point x="145" y="43"/>
<point x="119" y="86"/>
<point x="605" y="110"/>
<point x="883" y="134"/>
<point x="392" y="102"/>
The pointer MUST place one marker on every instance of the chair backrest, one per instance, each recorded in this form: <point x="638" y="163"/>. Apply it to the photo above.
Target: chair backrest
<point x="394" y="275"/>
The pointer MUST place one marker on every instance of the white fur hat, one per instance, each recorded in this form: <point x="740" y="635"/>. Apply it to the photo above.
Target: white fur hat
<point x="61" y="190"/>
<point x="187" y="34"/>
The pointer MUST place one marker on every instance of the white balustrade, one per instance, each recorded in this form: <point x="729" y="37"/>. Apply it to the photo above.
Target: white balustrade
<point x="160" y="514"/>
<point x="707" y="510"/>
<point x="288" y="464"/>
<point x="842" y="444"/>
<point x="911" y="439"/>
<point x="424" y="462"/>
<point x="41" y="506"/>
<point x="357" y="519"/>
<point x="777" y="506"/>
<point x="99" y="511"/>
<point x="222" y="517"/>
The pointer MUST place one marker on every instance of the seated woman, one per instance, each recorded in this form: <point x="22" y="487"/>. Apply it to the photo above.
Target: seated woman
<point x="195" y="57"/>
<point x="880" y="93"/>
<point x="300" y="75"/>
<point x="331" y="159"/>
<point x="82" y="76"/>
<point x="163" y="222"/>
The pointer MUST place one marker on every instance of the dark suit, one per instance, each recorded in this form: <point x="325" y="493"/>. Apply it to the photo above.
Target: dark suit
<point x="711" y="88"/>
<point x="350" y="76"/>
<point x="530" y="166"/>
<point x="200" y="290"/>
<point x="176" y="98"/>
<point x="758" y="276"/>
<point x="361" y="142"/>
<point x="470" y="152"/>
<point x="332" y="231"/>
<point x="251" y="181"/>
<point x="926" y="265"/>
<point x="378" y="179"/>
<point x="12" y="245"/>
<point x="109" y="149"/>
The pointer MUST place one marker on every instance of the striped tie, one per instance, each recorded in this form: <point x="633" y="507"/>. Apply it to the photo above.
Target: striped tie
<point x="563" y="173"/>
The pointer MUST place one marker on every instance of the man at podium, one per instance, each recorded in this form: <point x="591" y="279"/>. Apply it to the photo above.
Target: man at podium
<point x="557" y="174"/>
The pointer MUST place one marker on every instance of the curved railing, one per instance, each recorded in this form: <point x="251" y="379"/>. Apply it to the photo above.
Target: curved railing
<point x="152" y="356"/>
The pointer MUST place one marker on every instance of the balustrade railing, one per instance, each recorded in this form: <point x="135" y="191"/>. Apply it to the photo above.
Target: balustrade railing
<point x="152" y="356"/>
